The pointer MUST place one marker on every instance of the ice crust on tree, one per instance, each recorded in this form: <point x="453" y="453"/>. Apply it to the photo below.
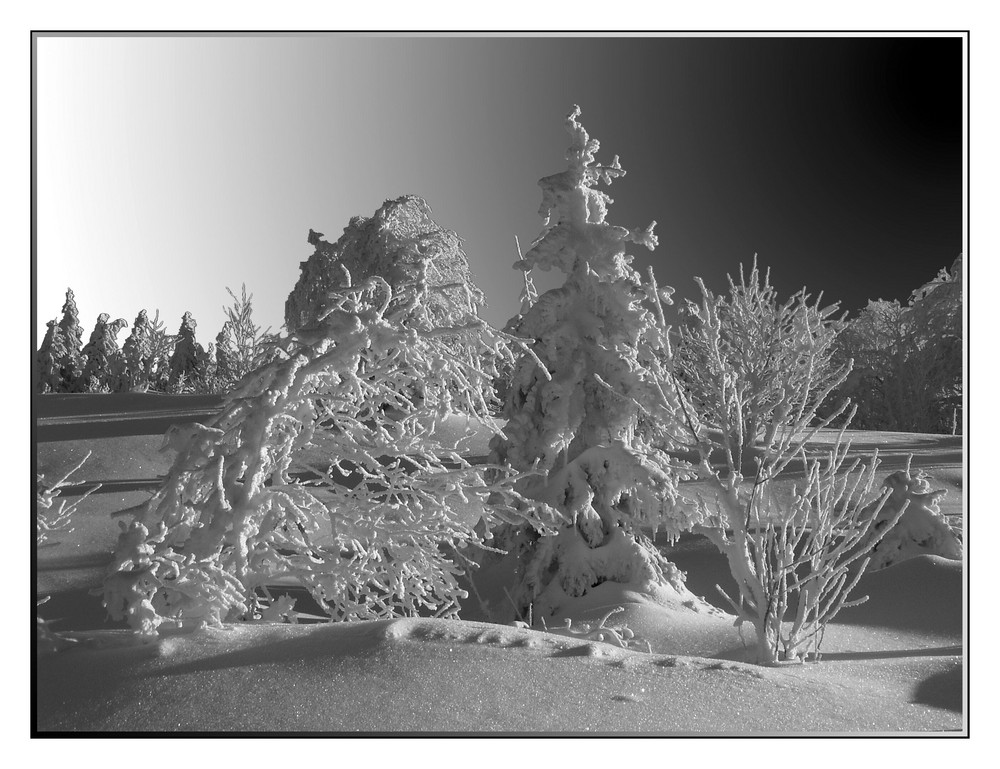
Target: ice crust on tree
<point x="395" y="243"/>
<point x="324" y="470"/>
<point x="571" y="404"/>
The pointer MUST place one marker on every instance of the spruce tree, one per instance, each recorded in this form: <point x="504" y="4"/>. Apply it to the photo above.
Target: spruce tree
<point x="187" y="358"/>
<point x="70" y="344"/>
<point x="47" y="377"/>
<point x="225" y="365"/>
<point x="135" y="353"/>
<point x="103" y="365"/>
<point x="573" y="419"/>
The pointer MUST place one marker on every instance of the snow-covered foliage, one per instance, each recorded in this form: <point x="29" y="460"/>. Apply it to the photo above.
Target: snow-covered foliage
<point x="921" y="530"/>
<point x="147" y="352"/>
<point x="321" y="470"/>
<point x="241" y="346"/>
<point x="794" y="559"/>
<point x="751" y="364"/>
<point x="49" y="520"/>
<point x="59" y="362"/>
<point x="104" y="364"/>
<point x="399" y="243"/>
<point x="571" y="403"/>
<point x="908" y="360"/>
<point x="136" y="353"/>
<point x="795" y="562"/>
<point x="383" y="245"/>
<point x="187" y="362"/>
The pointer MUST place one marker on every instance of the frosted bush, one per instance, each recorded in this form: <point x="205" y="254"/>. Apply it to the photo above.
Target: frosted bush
<point x="50" y="519"/>
<point x="794" y="558"/>
<point x="750" y="363"/>
<point x="571" y="403"/>
<point x="321" y="471"/>
<point x="795" y="561"/>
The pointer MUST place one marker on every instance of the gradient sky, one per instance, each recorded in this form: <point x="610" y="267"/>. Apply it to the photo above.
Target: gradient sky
<point x="169" y="168"/>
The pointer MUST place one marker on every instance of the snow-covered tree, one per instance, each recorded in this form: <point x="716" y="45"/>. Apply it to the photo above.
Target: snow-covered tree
<point x="795" y="558"/>
<point x="382" y="245"/>
<point x="572" y="407"/>
<point x="47" y="373"/>
<point x="187" y="358"/>
<point x="59" y="361"/>
<point x="750" y="363"/>
<point x="908" y="359"/>
<point x="321" y="470"/>
<point x="104" y="364"/>
<point x="136" y="354"/>
<point x="225" y="365"/>
<point x="241" y="346"/>
<point x="60" y="358"/>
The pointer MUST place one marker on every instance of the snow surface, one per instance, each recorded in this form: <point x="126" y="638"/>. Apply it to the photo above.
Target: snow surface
<point x="893" y="664"/>
<point x="417" y="675"/>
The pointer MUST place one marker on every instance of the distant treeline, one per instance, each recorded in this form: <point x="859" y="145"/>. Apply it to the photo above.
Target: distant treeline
<point x="150" y="360"/>
<point x="906" y="377"/>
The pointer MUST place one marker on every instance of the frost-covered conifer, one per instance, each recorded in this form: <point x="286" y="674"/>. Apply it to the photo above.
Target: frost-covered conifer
<point x="69" y="345"/>
<point x="241" y="346"/>
<point x="225" y="365"/>
<point x="320" y="470"/>
<point x="47" y="377"/>
<point x="104" y="366"/>
<point x="186" y="360"/>
<point x="136" y="353"/>
<point x="572" y="404"/>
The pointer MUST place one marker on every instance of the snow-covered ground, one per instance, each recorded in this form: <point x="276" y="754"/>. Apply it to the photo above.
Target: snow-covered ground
<point x="893" y="664"/>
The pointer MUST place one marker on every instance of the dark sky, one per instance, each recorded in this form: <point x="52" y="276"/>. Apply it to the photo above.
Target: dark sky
<point x="171" y="167"/>
<point x="838" y="161"/>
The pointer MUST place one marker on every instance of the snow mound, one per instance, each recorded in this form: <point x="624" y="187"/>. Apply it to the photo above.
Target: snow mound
<point x="921" y="530"/>
<point x="443" y="676"/>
